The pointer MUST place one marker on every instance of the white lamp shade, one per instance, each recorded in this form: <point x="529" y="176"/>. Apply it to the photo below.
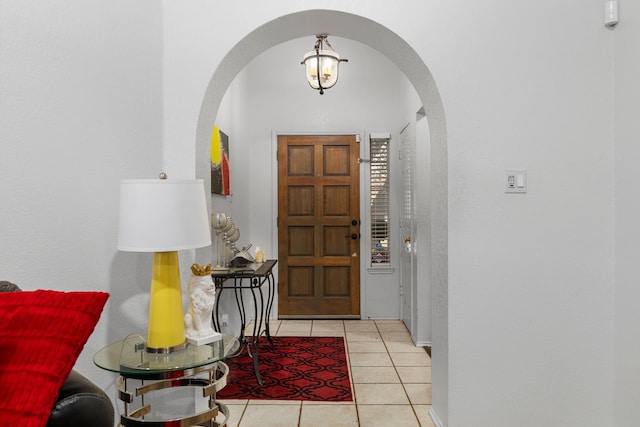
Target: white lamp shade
<point x="329" y="62"/>
<point x="161" y="215"/>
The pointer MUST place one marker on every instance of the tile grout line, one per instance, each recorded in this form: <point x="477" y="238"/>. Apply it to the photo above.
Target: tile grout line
<point x="395" y="368"/>
<point x="353" y="385"/>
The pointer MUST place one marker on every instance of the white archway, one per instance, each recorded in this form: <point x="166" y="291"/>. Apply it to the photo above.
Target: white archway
<point x="398" y="51"/>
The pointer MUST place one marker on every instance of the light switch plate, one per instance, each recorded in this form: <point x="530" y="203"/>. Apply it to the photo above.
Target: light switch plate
<point x="515" y="181"/>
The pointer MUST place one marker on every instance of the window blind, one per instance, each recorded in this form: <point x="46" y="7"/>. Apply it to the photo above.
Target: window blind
<point x="380" y="202"/>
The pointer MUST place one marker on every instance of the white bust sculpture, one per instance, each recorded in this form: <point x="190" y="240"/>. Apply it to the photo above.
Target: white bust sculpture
<point x="202" y="297"/>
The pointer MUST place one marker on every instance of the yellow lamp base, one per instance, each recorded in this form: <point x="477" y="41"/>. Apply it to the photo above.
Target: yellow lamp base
<point x="166" y="316"/>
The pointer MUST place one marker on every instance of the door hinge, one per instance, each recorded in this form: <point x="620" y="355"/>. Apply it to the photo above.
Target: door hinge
<point x="358" y="139"/>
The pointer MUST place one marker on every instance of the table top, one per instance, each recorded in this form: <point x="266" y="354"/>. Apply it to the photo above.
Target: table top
<point x="128" y="357"/>
<point x="251" y="270"/>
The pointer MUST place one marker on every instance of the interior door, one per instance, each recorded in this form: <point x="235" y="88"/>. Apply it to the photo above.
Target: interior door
<point x="318" y="227"/>
<point x="406" y="230"/>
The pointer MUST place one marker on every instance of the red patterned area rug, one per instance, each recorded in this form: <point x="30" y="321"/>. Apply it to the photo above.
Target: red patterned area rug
<point x="293" y="368"/>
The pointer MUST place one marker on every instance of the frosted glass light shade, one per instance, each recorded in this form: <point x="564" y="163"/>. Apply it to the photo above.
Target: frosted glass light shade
<point x="162" y="215"/>
<point x="329" y="61"/>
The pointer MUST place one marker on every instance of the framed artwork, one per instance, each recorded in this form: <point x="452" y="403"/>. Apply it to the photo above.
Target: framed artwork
<point x="220" y="163"/>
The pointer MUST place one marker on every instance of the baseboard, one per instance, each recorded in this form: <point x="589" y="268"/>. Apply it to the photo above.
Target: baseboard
<point x="423" y="343"/>
<point x="435" y="418"/>
<point x="318" y="317"/>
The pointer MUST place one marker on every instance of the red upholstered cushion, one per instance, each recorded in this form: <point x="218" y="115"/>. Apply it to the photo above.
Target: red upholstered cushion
<point x="41" y="335"/>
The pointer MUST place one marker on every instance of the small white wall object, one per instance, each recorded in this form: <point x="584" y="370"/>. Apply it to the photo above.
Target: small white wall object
<point x="515" y="181"/>
<point x="611" y="13"/>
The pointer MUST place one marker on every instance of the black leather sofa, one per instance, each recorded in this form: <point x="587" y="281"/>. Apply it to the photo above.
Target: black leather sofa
<point x="81" y="403"/>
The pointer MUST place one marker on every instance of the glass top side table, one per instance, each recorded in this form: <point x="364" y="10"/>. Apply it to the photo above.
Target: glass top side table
<point x="128" y="357"/>
<point x="195" y="366"/>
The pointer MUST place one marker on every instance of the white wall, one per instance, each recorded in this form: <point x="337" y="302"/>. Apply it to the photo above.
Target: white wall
<point x="229" y="120"/>
<point x="80" y="109"/>
<point x="269" y="97"/>
<point x="530" y="276"/>
<point x="529" y="308"/>
<point x="525" y="273"/>
<point x="627" y="155"/>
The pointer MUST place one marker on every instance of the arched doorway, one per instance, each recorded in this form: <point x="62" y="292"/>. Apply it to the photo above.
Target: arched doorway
<point x="398" y="51"/>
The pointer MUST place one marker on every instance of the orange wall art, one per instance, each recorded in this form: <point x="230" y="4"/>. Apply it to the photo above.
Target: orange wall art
<point x="220" y="163"/>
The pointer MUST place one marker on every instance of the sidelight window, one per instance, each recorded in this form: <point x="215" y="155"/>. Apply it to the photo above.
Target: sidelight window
<point x="380" y="202"/>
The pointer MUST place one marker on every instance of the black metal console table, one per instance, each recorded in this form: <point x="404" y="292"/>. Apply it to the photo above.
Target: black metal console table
<point x="251" y="279"/>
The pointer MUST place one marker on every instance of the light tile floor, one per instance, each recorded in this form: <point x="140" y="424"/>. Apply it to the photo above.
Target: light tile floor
<point x="391" y="379"/>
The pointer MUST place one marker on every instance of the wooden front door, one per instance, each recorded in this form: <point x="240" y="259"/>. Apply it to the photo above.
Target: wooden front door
<point x="318" y="227"/>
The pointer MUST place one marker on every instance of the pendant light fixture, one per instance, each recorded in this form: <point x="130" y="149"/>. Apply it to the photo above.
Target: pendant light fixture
<point x="321" y="65"/>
